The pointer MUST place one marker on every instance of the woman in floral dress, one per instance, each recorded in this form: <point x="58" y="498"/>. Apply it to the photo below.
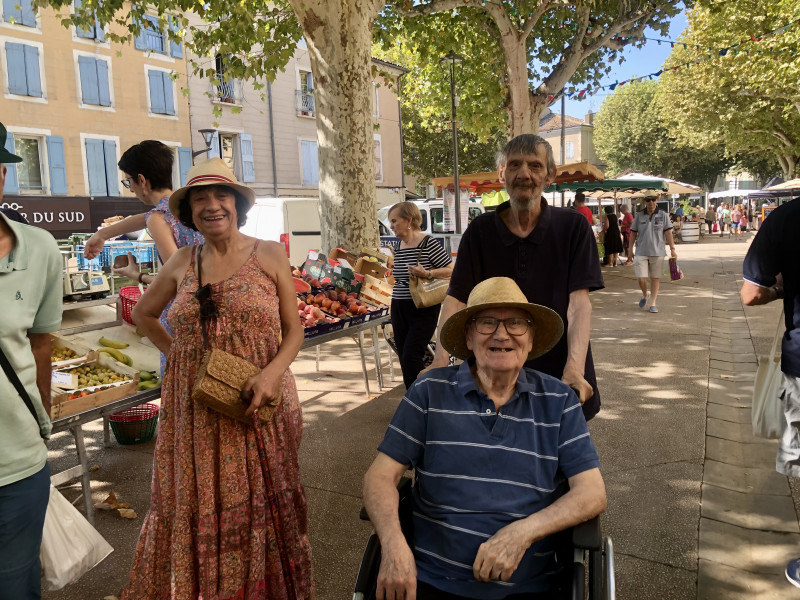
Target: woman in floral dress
<point x="210" y="532"/>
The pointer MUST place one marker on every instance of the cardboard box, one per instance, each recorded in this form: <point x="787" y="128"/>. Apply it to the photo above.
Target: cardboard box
<point x="340" y="254"/>
<point x="62" y="406"/>
<point x="346" y="279"/>
<point x="385" y="259"/>
<point x="84" y="354"/>
<point x="373" y="269"/>
<point x="315" y="264"/>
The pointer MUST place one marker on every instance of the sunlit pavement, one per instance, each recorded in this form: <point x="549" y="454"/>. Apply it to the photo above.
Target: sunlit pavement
<point x="695" y="507"/>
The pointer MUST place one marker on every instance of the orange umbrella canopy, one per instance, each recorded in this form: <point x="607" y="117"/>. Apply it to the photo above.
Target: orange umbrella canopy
<point x="479" y="183"/>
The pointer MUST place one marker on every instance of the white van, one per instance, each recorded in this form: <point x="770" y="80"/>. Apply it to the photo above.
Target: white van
<point x="432" y="211"/>
<point x="294" y="222"/>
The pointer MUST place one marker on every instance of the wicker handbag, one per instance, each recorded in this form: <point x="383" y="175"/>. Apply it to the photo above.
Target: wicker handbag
<point x="219" y="386"/>
<point x="427" y="292"/>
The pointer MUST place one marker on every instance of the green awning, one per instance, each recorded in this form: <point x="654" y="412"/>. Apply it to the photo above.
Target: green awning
<point x="610" y="185"/>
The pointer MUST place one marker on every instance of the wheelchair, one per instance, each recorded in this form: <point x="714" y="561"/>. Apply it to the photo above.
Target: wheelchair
<point x="588" y="546"/>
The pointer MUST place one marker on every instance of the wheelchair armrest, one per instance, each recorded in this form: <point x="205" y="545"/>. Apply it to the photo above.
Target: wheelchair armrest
<point x="587" y="535"/>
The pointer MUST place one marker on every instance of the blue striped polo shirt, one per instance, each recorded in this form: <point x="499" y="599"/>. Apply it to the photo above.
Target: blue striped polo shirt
<point x="478" y="470"/>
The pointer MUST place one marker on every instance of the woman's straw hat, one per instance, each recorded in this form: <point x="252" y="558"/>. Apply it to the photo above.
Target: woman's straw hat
<point x="501" y="292"/>
<point x="213" y="171"/>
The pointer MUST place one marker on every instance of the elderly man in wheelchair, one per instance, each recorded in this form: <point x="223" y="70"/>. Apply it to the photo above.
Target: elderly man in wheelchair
<point x="503" y="463"/>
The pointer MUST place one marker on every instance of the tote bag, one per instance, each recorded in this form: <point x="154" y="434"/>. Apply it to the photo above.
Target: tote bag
<point x="427" y="292"/>
<point x="768" y="421"/>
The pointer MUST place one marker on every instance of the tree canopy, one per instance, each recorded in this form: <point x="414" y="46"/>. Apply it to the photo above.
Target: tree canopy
<point x="631" y="132"/>
<point x="745" y="98"/>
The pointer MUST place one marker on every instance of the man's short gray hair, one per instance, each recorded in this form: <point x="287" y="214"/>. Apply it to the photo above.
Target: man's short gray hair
<point x="527" y="143"/>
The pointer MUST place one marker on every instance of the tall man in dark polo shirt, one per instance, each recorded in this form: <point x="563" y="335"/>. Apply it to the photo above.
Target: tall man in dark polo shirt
<point x="550" y="252"/>
<point x="772" y="272"/>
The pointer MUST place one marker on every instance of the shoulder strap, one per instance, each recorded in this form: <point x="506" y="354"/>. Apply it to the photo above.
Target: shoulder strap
<point x="12" y="377"/>
<point x="422" y="245"/>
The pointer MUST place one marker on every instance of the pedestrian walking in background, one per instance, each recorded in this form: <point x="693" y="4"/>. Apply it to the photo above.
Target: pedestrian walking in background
<point x="736" y="219"/>
<point x="744" y="223"/>
<point x="726" y="220"/>
<point x="414" y="327"/>
<point x="625" y="229"/>
<point x="31" y="304"/>
<point x="580" y="206"/>
<point x="228" y="516"/>
<point x="613" y="238"/>
<point x="721" y="225"/>
<point x="772" y="272"/>
<point x="651" y="230"/>
<point x="549" y="252"/>
<point x="709" y="218"/>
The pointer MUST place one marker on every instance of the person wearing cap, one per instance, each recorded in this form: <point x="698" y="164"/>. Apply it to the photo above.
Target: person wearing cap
<point x="650" y="231"/>
<point x="549" y="251"/>
<point x="211" y="531"/>
<point x="502" y="456"/>
<point x="31" y="302"/>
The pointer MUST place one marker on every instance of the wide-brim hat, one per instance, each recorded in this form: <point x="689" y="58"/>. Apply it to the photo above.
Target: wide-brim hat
<point x="501" y="292"/>
<point x="5" y="155"/>
<point x="213" y="171"/>
<point x="651" y="194"/>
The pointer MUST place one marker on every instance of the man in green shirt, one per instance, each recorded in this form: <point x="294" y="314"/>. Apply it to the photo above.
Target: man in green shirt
<point x="30" y="308"/>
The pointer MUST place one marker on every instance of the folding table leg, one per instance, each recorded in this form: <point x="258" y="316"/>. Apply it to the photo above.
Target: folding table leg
<point x="363" y="360"/>
<point x="86" y="483"/>
<point x="106" y="432"/>
<point x="376" y="350"/>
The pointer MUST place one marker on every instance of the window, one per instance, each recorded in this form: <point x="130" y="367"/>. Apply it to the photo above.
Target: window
<point x="305" y="95"/>
<point x="95" y="32"/>
<point x="29" y="176"/>
<point x="309" y="161"/>
<point x="19" y="12"/>
<point x="226" y="89"/>
<point x="101" y="166"/>
<point x="162" y="98"/>
<point x="375" y="105"/>
<point x="94" y="81"/>
<point x="377" y="157"/>
<point x="235" y="149"/>
<point x="569" y="150"/>
<point x="23" y="70"/>
<point x="153" y="38"/>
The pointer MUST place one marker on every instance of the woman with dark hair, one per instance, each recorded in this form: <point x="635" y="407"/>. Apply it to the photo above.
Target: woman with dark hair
<point x="613" y="238"/>
<point x="228" y="514"/>
<point x="421" y="256"/>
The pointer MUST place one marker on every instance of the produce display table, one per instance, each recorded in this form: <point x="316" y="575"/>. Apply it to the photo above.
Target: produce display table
<point x="108" y="300"/>
<point x="74" y="423"/>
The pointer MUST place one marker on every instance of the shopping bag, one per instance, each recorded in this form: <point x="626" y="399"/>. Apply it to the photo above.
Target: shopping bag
<point x="767" y="414"/>
<point x="714" y="229"/>
<point x="70" y="545"/>
<point x="601" y="249"/>
<point x="675" y="272"/>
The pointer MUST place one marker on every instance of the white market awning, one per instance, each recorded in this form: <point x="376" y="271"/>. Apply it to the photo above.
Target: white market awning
<point x="730" y="194"/>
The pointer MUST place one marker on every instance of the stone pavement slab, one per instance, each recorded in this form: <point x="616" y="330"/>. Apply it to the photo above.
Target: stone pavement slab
<point x="744" y="479"/>
<point x="734" y="367"/>
<point x="729" y="413"/>
<point x="750" y="510"/>
<point x="747" y="549"/>
<point x="721" y="582"/>
<point x="733" y="357"/>
<point x="742" y="455"/>
<point x="735" y="432"/>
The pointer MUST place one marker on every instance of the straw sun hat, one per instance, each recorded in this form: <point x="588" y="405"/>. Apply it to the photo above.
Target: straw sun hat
<point x="501" y="292"/>
<point x="213" y="171"/>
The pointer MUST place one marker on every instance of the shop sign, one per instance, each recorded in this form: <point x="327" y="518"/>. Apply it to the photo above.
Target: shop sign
<point x="53" y="215"/>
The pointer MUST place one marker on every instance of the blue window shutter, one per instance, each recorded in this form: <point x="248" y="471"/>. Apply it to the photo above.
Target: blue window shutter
<point x="156" y="91"/>
<point x="80" y="31"/>
<point x="12" y="184"/>
<point x="112" y="174"/>
<point x="17" y="80"/>
<point x="139" y="41"/>
<point x="32" y="71"/>
<point x="169" y="99"/>
<point x="214" y="150"/>
<point x="96" y="165"/>
<point x="103" y="89"/>
<point x="310" y="161"/>
<point x="175" y="49"/>
<point x="88" y="72"/>
<point x="99" y="32"/>
<point x="28" y="17"/>
<point x="246" y="151"/>
<point x="10" y="11"/>
<point x="184" y="162"/>
<point x="58" y="164"/>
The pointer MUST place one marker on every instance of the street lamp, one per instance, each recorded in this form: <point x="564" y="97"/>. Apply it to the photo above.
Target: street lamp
<point x="453" y="58"/>
<point x="208" y="137"/>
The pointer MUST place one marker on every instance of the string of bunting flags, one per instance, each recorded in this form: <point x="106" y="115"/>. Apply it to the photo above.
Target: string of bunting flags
<point x="712" y="52"/>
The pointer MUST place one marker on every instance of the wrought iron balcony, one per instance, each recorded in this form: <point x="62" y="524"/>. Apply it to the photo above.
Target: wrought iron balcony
<point x="305" y="103"/>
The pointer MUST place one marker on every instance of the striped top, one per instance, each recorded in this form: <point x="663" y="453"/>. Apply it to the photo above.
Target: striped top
<point x="433" y="256"/>
<point x="478" y="470"/>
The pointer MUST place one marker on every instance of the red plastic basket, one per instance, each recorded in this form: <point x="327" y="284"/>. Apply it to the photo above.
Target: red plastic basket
<point x="128" y="297"/>
<point x="135" y="425"/>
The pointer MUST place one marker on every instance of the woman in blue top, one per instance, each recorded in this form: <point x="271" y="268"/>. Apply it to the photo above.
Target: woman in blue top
<point x="147" y="167"/>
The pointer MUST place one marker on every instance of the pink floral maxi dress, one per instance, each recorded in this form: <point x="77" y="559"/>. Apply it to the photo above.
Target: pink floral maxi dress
<point x="209" y="532"/>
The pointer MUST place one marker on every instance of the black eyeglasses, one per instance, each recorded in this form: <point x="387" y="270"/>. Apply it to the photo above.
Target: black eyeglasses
<point x="208" y="308"/>
<point x="651" y="199"/>
<point x="126" y="183"/>
<point x="514" y="325"/>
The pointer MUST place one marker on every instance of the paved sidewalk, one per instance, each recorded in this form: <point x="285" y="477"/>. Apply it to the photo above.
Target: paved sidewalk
<point x="696" y="509"/>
